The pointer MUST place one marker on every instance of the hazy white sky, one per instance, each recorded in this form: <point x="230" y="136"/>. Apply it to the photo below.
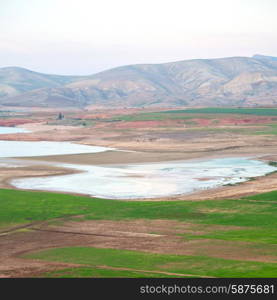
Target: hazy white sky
<point x="87" y="36"/>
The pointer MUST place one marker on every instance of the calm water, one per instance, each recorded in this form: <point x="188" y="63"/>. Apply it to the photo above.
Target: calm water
<point x="149" y="180"/>
<point x="7" y="130"/>
<point x="27" y="149"/>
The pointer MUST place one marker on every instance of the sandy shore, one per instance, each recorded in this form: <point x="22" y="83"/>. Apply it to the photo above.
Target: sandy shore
<point x="122" y="157"/>
<point x="117" y="157"/>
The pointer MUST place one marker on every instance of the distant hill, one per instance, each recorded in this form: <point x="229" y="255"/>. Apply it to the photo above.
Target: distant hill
<point x="232" y="81"/>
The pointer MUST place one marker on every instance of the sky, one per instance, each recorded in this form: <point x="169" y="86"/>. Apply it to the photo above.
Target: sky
<point x="87" y="36"/>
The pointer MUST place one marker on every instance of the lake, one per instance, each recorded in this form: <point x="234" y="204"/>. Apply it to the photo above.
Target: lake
<point x="149" y="180"/>
<point x="28" y="149"/>
<point x="130" y="181"/>
<point x="9" y="130"/>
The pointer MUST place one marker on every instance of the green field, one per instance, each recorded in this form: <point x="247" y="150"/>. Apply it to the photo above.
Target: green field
<point x="217" y="110"/>
<point x="21" y="207"/>
<point x="271" y="130"/>
<point x="186" y="114"/>
<point x="256" y="216"/>
<point x="181" y="264"/>
<point x="153" y="116"/>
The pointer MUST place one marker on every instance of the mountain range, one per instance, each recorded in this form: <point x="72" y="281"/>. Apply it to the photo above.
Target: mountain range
<point x="231" y="81"/>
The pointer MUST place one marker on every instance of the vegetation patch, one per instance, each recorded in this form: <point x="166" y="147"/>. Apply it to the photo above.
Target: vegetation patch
<point x="182" y="264"/>
<point x="20" y="207"/>
<point x="218" y="110"/>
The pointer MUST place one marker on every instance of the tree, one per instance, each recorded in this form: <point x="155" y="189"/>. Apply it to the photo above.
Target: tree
<point x="60" y="116"/>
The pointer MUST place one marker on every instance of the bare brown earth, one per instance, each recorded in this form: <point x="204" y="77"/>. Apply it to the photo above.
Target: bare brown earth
<point x="155" y="236"/>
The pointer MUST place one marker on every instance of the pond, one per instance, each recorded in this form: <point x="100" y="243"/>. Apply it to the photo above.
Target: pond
<point x="9" y="130"/>
<point x="149" y="180"/>
<point x="27" y="149"/>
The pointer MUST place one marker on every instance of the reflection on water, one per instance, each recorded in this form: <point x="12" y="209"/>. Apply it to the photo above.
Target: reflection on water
<point x="27" y="149"/>
<point x="9" y="130"/>
<point x="149" y="180"/>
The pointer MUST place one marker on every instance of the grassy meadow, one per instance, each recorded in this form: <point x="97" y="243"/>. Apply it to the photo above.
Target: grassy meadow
<point x="220" y="110"/>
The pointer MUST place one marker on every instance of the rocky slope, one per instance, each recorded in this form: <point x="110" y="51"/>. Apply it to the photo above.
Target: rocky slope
<point x="234" y="81"/>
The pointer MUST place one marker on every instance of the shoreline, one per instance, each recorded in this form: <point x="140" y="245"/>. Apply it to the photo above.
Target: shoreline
<point x="119" y="157"/>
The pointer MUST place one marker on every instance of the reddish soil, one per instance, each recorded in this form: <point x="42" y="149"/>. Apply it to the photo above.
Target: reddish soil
<point x="15" y="122"/>
<point x="146" y="124"/>
<point x="202" y="122"/>
<point x="233" y="121"/>
<point x="250" y="121"/>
